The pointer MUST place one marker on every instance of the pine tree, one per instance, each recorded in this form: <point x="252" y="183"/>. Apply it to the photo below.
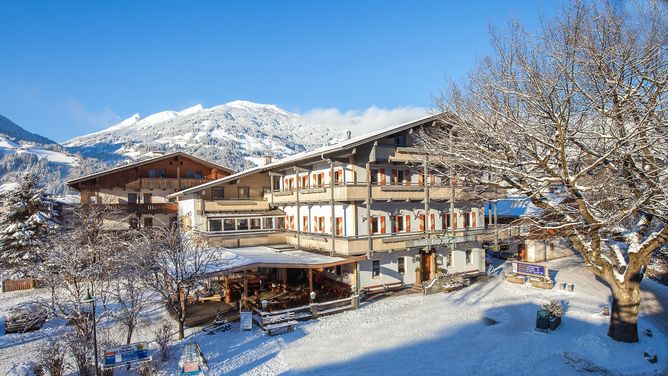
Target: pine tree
<point x="32" y="215"/>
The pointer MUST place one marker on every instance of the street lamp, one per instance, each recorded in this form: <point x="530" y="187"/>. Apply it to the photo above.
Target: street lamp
<point x="89" y="299"/>
<point x="312" y="294"/>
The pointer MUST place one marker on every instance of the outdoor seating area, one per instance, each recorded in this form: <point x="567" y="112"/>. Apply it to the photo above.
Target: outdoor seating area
<point x="269" y="280"/>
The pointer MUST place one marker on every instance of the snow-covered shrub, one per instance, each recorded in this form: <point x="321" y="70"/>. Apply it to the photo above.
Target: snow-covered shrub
<point x="163" y="335"/>
<point x="554" y="308"/>
<point x="52" y="358"/>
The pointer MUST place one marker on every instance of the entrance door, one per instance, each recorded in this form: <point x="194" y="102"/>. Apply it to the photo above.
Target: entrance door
<point x="426" y="265"/>
<point x="522" y="252"/>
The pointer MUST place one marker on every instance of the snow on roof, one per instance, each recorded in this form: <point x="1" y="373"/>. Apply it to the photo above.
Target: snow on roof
<point x="236" y="259"/>
<point x="347" y="144"/>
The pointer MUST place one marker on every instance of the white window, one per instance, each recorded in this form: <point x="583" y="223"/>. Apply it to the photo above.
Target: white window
<point x="375" y="268"/>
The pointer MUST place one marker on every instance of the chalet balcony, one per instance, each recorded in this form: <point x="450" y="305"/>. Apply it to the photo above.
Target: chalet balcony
<point x="358" y="192"/>
<point x="164" y="183"/>
<point x="354" y="246"/>
<point x="139" y="209"/>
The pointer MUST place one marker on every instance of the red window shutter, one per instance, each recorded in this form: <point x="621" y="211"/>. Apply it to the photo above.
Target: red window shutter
<point x="322" y="224"/>
<point x="421" y="222"/>
<point x="382" y="224"/>
<point x="454" y="222"/>
<point x="330" y="177"/>
<point x="383" y="179"/>
<point x="407" y="176"/>
<point x="473" y="224"/>
<point x="407" y="225"/>
<point x="420" y="179"/>
<point x="395" y="175"/>
<point x="432" y="222"/>
<point x="396" y="223"/>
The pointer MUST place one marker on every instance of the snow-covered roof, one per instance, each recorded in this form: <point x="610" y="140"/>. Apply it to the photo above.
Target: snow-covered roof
<point x="230" y="260"/>
<point x="329" y="149"/>
<point x="72" y="182"/>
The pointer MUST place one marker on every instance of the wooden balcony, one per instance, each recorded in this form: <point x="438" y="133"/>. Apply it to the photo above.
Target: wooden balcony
<point x="139" y="209"/>
<point x="359" y="245"/>
<point x="164" y="183"/>
<point x="358" y="192"/>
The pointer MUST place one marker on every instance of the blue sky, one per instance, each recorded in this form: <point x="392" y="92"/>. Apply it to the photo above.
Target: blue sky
<point x="70" y="68"/>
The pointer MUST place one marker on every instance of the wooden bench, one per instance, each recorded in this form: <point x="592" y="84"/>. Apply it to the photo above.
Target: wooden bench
<point x="280" y="328"/>
<point x="384" y="288"/>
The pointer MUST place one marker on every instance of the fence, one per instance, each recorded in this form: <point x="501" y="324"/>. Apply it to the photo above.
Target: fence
<point x="18" y="284"/>
<point x="305" y="312"/>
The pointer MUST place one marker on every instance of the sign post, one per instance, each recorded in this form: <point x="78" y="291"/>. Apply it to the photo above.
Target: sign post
<point x="125" y="355"/>
<point x="246" y="320"/>
<point x="533" y="270"/>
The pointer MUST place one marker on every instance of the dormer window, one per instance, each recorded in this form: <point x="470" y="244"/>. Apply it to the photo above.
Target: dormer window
<point x="399" y="140"/>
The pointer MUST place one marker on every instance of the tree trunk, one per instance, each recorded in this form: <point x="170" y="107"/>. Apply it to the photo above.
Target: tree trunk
<point x="130" y="330"/>
<point x="624" y="313"/>
<point x="182" y="315"/>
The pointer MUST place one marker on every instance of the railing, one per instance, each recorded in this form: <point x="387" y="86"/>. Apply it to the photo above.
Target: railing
<point x="147" y="208"/>
<point x="305" y="312"/>
<point x="164" y="183"/>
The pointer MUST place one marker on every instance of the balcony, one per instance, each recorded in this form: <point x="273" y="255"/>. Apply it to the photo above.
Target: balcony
<point x="358" y="192"/>
<point x="235" y="205"/>
<point x="164" y="183"/>
<point x="139" y="209"/>
<point x="353" y="246"/>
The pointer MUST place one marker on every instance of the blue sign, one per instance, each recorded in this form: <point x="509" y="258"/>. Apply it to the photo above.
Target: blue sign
<point x="123" y="355"/>
<point x="526" y="268"/>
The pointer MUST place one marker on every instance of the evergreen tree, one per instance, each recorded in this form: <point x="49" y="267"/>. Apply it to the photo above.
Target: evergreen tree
<point x="31" y="216"/>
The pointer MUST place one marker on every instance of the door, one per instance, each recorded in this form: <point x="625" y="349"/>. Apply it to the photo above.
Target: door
<point x="522" y="252"/>
<point x="426" y="265"/>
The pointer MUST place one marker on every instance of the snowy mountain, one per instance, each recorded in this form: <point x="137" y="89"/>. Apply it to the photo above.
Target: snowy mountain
<point x="235" y="134"/>
<point x="22" y="151"/>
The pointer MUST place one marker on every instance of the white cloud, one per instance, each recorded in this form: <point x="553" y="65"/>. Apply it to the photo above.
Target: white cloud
<point x="88" y="119"/>
<point x="363" y="121"/>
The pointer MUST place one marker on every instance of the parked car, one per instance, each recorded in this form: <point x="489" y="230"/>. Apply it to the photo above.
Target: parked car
<point x="25" y="318"/>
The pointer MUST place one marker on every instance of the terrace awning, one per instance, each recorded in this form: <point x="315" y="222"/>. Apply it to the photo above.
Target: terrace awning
<point x="245" y="214"/>
<point x="233" y="260"/>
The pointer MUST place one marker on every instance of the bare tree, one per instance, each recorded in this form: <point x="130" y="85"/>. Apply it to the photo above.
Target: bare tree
<point x="580" y="107"/>
<point x="174" y="265"/>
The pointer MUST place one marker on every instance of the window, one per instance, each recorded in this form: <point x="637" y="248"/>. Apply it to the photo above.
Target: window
<point x="375" y="268"/>
<point x="398" y="176"/>
<point x="218" y="193"/>
<point x="134" y="222"/>
<point x="267" y="223"/>
<point x="157" y="173"/>
<point x="190" y="174"/>
<point x="148" y="222"/>
<point x="303" y="181"/>
<point x="92" y="199"/>
<point x="374" y="225"/>
<point x="446" y="220"/>
<point x="305" y="223"/>
<point x="401" y="266"/>
<point x="339" y="226"/>
<point x="468" y="257"/>
<point x="398" y="223"/>
<point x="338" y="177"/>
<point x="338" y="270"/>
<point x="132" y="198"/>
<point x="147" y="198"/>
<point x="229" y="225"/>
<point x="400" y="140"/>
<point x="319" y="179"/>
<point x="374" y="176"/>
<point x="279" y="222"/>
<point x="242" y="224"/>
<point x="465" y="217"/>
<point x="215" y="225"/>
<point x="320" y="227"/>
<point x="255" y="223"/>
<point x="290" y="225"/>
<point x="244" y="192"/>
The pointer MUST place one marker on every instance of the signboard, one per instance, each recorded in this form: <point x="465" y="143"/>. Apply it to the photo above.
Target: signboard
<point x="427" y="242"/>
<point x="527" y="268"/>
<point x="246" y="320"/>
<point x="124" y="355"/>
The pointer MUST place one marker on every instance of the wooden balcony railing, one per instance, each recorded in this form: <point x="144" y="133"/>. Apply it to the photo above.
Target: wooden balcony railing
<point x="164" y="183"/>
<point x="147" y="208"/>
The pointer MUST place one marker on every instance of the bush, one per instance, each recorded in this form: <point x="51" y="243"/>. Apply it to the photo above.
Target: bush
<point x="52" y="358"/>
<point x="163" y="335"/>
<point x="554" y="308"/>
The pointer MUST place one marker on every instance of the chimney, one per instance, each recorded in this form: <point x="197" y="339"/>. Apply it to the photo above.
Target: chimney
<point x="267" y="159"/>
<point x="348" y="135"/>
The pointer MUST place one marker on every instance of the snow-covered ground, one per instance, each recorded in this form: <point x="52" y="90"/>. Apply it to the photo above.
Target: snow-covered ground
<point x="485" y="329"/>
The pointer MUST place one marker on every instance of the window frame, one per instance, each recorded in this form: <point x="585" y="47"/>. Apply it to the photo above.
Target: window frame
<point x="375" y="268"/>
<point x="218" y="197"/>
